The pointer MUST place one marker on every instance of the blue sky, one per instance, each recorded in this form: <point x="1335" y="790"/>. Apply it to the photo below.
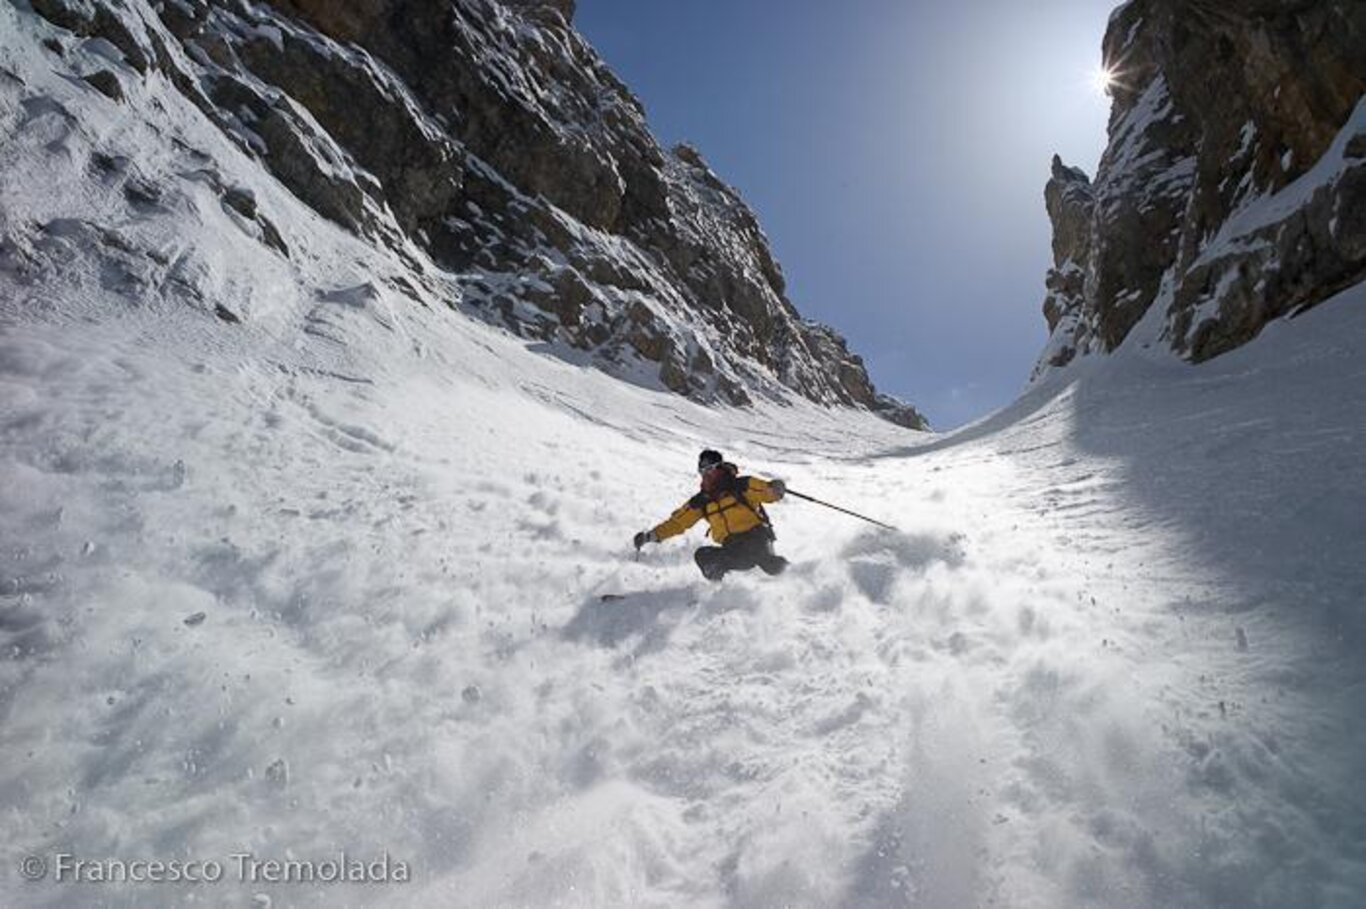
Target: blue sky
<point x="895" y="154"/>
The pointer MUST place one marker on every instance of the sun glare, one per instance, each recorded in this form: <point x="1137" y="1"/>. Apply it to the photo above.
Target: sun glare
<point x="1102" y="79"/>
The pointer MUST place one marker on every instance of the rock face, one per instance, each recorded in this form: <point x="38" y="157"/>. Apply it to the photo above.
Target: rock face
<point x="490" y="137"/>
<point x="1233" y="188"/>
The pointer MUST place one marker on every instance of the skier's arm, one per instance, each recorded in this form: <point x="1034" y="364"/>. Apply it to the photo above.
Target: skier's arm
<point x="682" y="518"/>
<point x="765" y="490"/>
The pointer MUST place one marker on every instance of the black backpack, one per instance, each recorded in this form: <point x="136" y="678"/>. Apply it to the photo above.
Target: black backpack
<point x="736" y="486"/>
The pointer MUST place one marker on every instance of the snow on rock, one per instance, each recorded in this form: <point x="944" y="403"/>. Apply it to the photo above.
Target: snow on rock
<point x="483" y="141"/>
<point x="1219" y="200"/>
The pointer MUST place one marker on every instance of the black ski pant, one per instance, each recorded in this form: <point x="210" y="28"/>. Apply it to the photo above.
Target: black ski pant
<point x="740" y="552"/>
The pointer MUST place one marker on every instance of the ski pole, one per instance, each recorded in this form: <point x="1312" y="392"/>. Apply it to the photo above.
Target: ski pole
<point x="793" y="492"/>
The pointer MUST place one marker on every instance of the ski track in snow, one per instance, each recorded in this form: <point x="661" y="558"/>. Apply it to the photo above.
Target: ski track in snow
<point x="330" y="579"/>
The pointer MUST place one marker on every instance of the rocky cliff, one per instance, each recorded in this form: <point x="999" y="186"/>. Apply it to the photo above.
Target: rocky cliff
<point x="1233" y="188"/>
<point x="487" y="143"/>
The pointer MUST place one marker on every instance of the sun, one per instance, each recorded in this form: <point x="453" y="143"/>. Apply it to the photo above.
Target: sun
<point x="1102" y="79"/>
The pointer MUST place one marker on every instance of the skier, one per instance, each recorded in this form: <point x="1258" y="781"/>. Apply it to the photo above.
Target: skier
<point x="734" y="508"/>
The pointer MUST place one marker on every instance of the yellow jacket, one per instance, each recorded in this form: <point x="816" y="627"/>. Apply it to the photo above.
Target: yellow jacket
<point x="727" y="514"/>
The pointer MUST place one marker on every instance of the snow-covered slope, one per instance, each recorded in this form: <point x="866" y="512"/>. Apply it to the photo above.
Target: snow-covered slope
<point x="291" y="598"/>
<point x="327" y="580"/>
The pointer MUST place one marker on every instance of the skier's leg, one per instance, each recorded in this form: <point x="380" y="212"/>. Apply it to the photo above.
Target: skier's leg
<point x="751" y="549"/>
<point x="773" y="564"/>
<point x="712" y="561"/>
<point x="766" y="558"/>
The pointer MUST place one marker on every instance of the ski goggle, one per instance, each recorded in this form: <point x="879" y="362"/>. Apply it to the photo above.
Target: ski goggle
<point x="704" y="469"/>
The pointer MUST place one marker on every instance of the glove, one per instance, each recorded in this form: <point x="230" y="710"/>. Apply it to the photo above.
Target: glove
<point x="779" y="487"/>
<point x="645" y="536"/>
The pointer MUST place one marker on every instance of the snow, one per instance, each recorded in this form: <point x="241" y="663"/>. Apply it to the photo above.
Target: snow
<point x="1262" y="210"/>
<point x="1133" y="157"/>
<point x="329" y="580"/>
<point x="1129" y="134"/>
<point x="1245" y="137"/>
<point x="1208" y="305"/>
<point x="1133" y="29"/>
<point x="1037" y="692"/>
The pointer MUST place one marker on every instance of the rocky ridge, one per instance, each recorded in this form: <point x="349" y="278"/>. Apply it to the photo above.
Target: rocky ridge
<point x="489" y="144"/>
<point x="1232" y="191"/>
